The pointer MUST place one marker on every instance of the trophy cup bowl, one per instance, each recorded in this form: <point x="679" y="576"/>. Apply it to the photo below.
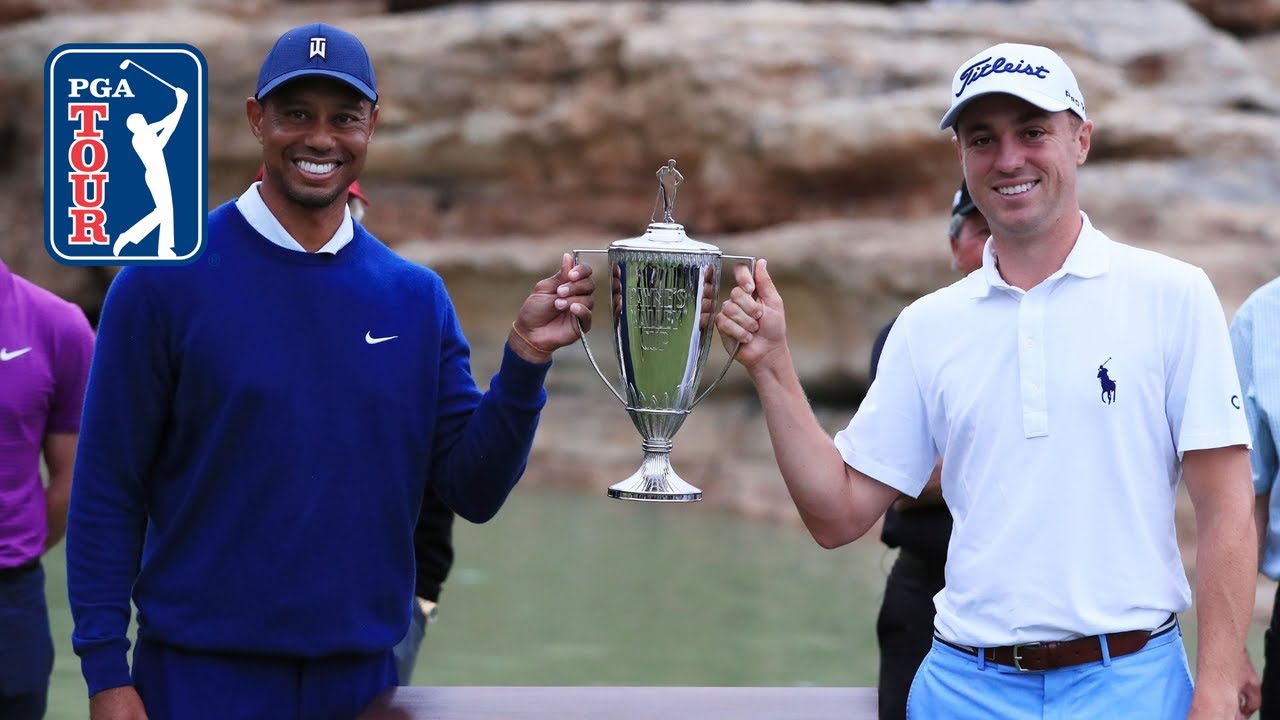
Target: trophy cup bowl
<point x="665" y="288"/>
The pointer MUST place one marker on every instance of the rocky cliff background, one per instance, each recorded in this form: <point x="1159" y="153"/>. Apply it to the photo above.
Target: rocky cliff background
<point x="806" y="132"/>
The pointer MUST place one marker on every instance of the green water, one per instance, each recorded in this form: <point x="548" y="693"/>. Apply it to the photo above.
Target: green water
<point x="565" y="589"/>
<point x="574" y="589"/>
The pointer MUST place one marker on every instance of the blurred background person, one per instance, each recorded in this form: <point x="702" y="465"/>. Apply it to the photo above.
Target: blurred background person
<point x="1255" y="337"/>
<point x="433" y="557"/>
<point x="919" y="527"/>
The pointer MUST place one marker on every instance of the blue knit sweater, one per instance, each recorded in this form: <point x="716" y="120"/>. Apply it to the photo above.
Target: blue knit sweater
<point x="253" y="452"/>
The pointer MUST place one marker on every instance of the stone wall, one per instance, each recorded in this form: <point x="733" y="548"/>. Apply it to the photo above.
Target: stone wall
<point x="807" y="134"/>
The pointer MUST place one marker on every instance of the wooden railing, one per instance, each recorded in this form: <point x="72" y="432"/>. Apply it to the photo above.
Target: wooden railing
<point x="624" y="703"/>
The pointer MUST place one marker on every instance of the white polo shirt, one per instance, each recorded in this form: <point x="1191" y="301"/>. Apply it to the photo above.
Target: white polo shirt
<point x="1063" y="501"/>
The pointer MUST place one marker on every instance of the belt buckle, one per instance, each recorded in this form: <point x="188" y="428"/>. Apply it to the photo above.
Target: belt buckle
<point x="1017" y="658"/>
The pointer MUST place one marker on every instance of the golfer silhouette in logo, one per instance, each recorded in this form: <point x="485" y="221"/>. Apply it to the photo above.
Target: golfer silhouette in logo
<point x="1108" y="385"/>
<point x="149" y="141"/>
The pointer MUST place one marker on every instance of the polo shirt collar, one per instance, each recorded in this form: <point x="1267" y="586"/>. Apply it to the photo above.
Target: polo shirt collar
<point x="1089" y="257"/>
<point x="260" y="218"/>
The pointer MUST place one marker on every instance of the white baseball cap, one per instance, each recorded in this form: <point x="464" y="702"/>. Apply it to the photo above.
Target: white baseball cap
<point x="1035" y="74"/>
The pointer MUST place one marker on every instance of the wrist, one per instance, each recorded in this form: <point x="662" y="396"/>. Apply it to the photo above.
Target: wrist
<point x="526" y="348"/>
<point x="1212" y="689"/>
<point x="776" y="369"/>
<point x="430" y="609"/>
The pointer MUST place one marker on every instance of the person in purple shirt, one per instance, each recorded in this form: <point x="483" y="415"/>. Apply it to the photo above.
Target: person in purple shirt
<point x="45" y="347"/>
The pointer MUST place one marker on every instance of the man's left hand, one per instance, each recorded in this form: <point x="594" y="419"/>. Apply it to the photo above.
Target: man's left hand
<point x="1224" y="701"/>
<point x="549" y="317"/>
<point x="1250" y="687"/>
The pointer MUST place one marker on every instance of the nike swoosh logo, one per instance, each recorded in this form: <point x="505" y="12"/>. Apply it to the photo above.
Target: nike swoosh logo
<point x="6" y="356"/>
<point x="369" y="338"/>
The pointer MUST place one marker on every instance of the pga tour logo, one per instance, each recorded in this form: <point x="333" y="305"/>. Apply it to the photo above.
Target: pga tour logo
<point x="126" y="148"/>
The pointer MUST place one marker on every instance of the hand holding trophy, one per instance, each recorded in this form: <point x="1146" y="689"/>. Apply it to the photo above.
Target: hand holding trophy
<point x="665" y="287"/>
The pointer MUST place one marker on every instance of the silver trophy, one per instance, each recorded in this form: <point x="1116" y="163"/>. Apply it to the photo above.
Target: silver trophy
<point x="665" y="288"/>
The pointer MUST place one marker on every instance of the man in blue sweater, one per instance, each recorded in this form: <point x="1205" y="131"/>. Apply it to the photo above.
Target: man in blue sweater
<point x="260" y="429"/>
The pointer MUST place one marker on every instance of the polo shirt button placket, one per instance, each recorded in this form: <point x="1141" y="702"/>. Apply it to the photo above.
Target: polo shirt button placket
<point x="1031" y="363"/>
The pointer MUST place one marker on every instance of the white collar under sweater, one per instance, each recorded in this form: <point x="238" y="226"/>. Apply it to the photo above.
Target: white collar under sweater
<point x="260" y="217"/>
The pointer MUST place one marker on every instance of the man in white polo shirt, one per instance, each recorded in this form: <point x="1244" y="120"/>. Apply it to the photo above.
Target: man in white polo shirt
<point x="1067" y="385"/>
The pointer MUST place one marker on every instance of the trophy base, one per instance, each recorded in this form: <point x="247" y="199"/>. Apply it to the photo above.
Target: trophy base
<point x="668" y="488"/>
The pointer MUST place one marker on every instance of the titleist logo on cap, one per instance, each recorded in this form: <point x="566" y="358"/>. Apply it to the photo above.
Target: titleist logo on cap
<point x="985" y="67"/>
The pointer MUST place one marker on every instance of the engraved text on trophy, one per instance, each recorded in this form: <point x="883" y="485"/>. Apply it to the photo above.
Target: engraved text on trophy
<point x="658" y="314"/>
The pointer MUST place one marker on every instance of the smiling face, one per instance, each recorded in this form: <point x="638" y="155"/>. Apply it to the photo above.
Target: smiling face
<point x="1020" y="164"/>
<point x="315" y="134"/>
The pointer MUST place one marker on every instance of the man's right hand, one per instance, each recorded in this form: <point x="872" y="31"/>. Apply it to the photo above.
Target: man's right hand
<point x="117" y="703"/>
<point x="182" y="95"/>
<point x="753" y="316"/>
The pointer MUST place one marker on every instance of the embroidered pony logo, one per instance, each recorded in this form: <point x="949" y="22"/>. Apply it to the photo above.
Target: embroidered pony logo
<point x="1108" y="385"/>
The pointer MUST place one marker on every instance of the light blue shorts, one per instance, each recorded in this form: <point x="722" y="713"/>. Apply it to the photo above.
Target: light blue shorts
<point x="1151" y="684"/>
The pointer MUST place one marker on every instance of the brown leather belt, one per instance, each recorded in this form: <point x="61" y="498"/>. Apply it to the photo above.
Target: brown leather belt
<point x="1041" y="656"/>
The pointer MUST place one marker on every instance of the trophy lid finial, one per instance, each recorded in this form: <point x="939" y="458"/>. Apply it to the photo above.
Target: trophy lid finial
<point x="665" y="235"/>
<point x="669" y="180"/>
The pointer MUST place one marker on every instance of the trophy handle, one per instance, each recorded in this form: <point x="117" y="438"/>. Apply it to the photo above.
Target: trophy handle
<point x="583" y="336"/>
<point x="729" y="363"/>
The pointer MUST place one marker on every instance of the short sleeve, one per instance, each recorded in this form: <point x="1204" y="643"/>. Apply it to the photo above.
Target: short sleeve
<point x="1262" y="458"/>
<point x="888" y="437"/>
<point x="72" y="353"/>
<point x="1202" y="395"/>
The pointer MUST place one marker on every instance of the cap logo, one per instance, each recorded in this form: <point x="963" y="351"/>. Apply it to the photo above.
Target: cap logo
<point x="318" y="49"/>
<point x="1073" y="100"/>
<point x="985" y="67"/>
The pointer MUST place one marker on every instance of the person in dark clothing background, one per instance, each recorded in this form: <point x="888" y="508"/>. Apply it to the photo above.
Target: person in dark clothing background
<point x="919" y="528"/>
<point x="433" y="558"/>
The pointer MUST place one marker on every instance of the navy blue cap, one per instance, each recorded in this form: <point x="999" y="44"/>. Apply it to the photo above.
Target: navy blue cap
<point x="318" y="49"/>
<point x="962" y="204"/>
